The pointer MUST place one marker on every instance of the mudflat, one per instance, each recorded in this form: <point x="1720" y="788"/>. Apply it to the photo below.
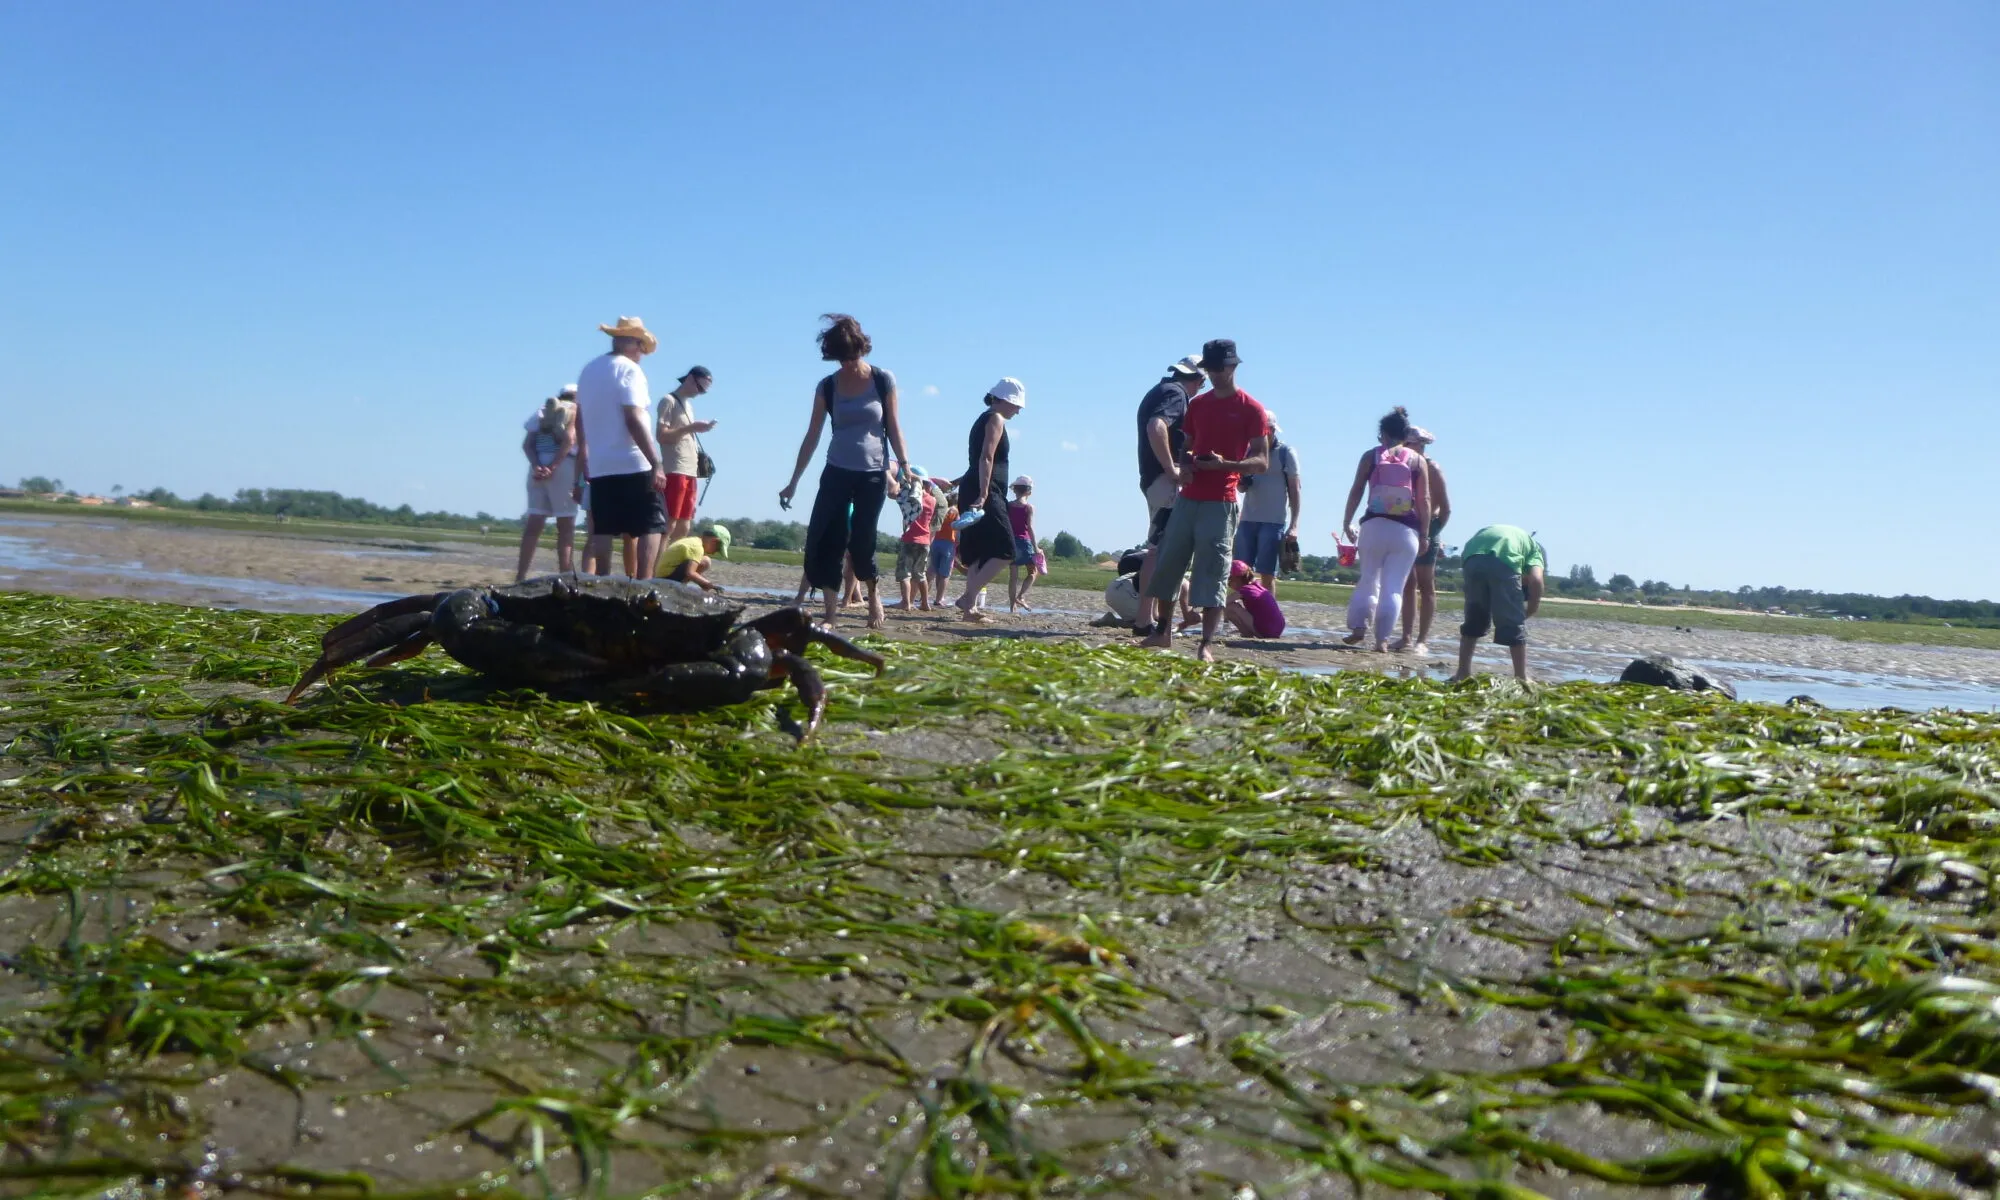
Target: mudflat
<point x="284" y="569"/>
<point x="1036" y="913"/>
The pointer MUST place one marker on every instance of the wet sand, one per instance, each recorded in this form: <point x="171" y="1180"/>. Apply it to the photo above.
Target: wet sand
<point x="280" y="569"/>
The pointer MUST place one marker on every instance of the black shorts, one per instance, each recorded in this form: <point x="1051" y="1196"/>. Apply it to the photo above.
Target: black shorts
<point x="626" y="505"/>
<point x="683" y="573"/>
<point x="1159" y="525"/>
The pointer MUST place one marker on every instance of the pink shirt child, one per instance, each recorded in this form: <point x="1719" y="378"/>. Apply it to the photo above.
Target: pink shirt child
<point x="1266" y="618"/>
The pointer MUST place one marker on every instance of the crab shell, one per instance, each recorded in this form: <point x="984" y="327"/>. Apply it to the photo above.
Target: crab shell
<point x="631" y="625"/>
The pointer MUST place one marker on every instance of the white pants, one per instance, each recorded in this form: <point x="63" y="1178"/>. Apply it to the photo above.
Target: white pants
<point x="1388" y="550"/>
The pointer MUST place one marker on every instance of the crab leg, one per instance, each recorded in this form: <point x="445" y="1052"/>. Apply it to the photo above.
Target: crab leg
<point x="786" y="665"/>
<point x="382" y="630"/>
<point x="790" y="630"/>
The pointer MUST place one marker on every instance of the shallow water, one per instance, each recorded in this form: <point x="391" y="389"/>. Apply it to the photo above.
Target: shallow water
<point x="27" y="554"/>
<point x="1761" y="682"/>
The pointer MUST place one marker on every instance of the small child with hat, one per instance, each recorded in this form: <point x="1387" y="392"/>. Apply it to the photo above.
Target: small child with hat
<point x="1021" y="517"/>
<point x="686" y="560"/>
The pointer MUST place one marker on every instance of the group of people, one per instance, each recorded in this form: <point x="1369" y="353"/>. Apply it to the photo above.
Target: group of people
<point x="1222" y="491"/>
<point x="596" y="446"/>
<point x="1218" y="484"/>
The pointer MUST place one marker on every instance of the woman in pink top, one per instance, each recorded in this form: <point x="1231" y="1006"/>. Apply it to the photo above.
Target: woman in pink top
<point x="1395" y="530"/>
<point x="1252" y="608"/>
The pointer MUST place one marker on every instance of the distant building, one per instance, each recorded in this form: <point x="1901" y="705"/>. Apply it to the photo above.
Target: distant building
<point x="12" y="494"/>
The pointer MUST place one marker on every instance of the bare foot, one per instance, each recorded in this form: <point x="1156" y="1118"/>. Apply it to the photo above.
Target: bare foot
<point x="1458" y="679"/>
<point x="1381" y="647"/>
<point x="1159" y="641"/>
<point x="1205" y="652"/>
<point x="898" y="604"/>
<point x="874" y="612"/>
<point x="1354" y="637"/>
<point x="975" y="616"/>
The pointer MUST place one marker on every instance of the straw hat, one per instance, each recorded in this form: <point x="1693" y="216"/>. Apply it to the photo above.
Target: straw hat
<point x="632" y="327"/>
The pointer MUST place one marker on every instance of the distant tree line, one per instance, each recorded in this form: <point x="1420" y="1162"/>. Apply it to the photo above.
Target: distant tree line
<point x="1581" y="581"/>
<point x="294" y="502"/>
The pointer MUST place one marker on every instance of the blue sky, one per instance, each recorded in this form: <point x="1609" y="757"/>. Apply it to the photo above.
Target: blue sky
<point x="1704" y="292"/>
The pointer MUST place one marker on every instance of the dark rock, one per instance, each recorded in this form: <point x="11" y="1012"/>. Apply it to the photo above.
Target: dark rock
<point x="1660" y="670"/>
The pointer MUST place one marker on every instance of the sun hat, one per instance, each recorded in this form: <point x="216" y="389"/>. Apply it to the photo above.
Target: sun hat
<point x="1022" y="481"/>
<point x="721" y="534"/>
<point x="1218" y="352"/>
<point x="1191" y="365"/>
<point x="568" y="390"/>
<point x="632" y="327"/>
<point x="1011" y="390"/>
<point x="1419" y="435"/>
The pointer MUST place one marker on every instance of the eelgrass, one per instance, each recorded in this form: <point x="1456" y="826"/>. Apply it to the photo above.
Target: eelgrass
<point x="1031" y="919"/>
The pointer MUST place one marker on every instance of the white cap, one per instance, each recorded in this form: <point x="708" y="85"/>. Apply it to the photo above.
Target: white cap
<point x="1191" y="365"/>
<point x="1022" y="481"/>
<point x="568" y="389"/>
<point x="1011" y="390"/>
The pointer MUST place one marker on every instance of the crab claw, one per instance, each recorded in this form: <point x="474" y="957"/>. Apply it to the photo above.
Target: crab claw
<point x="811" y="689"/>
<point x="388" y="632"/>
<point x="790" y="630"/>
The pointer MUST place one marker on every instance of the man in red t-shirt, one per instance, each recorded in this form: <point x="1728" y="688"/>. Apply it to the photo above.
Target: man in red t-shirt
<point x="1227" y="436"/>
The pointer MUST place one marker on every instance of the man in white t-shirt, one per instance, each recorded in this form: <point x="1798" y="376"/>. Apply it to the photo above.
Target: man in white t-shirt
<point x="550" y="445"/>
<point x="679" y="451"/>
<point x="615" y="449"/>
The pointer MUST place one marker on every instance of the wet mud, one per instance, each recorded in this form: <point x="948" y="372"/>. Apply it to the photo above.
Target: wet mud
<point x="1033" y="916"/>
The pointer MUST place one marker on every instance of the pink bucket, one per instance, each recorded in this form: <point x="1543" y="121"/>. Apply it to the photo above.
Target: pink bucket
<point x="1347" y="552"/>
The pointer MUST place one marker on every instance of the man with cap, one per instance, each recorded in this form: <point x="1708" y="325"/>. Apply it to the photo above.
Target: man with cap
<point x="550" y="445"/>
<point x="1160" y="439"/>
<point x="1227" y="434"/>
<point x="679" y="451"/>
<point x="615" y="448"/>
<point x="686" y="560"/>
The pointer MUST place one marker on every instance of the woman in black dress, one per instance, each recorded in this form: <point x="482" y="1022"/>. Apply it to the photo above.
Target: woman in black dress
<point x="986" y="547"/>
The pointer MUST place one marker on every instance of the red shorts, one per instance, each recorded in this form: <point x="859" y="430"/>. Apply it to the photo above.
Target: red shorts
<point x="678" y="495"/>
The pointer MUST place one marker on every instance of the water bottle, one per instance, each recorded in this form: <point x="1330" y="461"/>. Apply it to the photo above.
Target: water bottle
<point x="968" y="519"/>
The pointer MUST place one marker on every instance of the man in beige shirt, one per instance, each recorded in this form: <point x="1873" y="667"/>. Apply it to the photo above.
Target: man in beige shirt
<point x="679" y="451"/>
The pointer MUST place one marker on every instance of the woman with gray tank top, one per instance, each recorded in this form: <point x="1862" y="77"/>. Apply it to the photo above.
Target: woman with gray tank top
<point x="860" y="401"/>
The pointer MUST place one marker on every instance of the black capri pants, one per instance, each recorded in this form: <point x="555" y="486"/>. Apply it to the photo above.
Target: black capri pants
<point x="844" y="517"/>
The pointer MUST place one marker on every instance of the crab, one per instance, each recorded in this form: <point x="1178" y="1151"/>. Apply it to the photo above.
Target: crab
<point x="674" y="643"/>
